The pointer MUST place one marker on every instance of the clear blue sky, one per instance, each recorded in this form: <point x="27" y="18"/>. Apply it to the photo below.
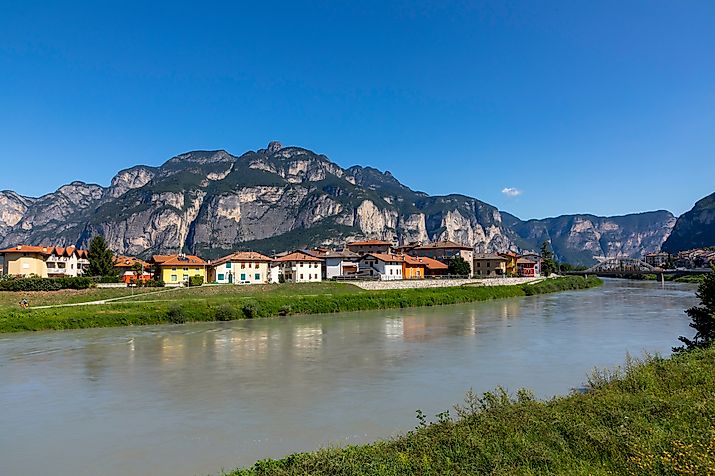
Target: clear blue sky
<point x="581" y="106"/>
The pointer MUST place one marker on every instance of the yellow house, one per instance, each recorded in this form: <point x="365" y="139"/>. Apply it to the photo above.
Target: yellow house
<point x="25" y="260"/>
<point x="177" y="269"/>
<point x="511" y="267"/>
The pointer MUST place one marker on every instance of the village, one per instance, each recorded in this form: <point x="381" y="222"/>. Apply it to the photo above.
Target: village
<point x="366" y="260"/>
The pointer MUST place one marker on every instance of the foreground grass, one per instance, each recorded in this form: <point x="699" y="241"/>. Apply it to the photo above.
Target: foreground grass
<point x="225" y="303"/>
<point x="656" y="417"/>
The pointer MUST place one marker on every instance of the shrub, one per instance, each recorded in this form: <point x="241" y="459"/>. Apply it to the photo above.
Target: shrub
<point x="107" y="279"/>
<point x="45" y="284"/>
<point x="285" y="310"/>
<point x="251" y="310"/>
<point x="176" y="314"/>
<point x="225" y="312"/>
<point x="196" y="280"/>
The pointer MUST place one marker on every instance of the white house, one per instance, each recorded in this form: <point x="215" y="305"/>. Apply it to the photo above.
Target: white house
<point x="387" y="267"/>
<point x="299" y="267"/>
<point x="242" y="267"/>
<point x="340" y="263"/>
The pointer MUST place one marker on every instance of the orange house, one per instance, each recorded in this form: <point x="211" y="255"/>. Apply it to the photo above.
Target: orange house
<point x="125" y="266"/>
<point x="413" y="267"/>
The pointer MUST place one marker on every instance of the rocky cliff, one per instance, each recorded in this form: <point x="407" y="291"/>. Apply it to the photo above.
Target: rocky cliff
<point x="694" y="229"/>
<point x="277" y="198"/>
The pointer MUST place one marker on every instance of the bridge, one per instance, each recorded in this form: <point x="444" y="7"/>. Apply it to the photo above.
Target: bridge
<point x="632" y="266"/>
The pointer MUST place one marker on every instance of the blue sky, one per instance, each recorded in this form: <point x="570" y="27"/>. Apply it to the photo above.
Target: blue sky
<point x="540" y="108"/>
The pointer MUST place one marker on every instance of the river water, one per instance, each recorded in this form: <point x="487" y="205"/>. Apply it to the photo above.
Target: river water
<point x="196" y="398"/>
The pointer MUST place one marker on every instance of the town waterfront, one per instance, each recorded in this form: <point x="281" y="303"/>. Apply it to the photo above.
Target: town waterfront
<point x="195" y="398"/>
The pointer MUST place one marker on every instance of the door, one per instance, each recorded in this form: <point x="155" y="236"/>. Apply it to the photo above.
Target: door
<point x="230" y="278"/>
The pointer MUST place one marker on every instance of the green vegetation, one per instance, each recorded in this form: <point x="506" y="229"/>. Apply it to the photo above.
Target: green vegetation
<point x="650" y="417"/>
<point x="548" y="263"/>
<point x="458" y="266"/>
<point x="208" y="303"/>
<point x="35" y="283"/>
<point x="702" y="317"/>
<point x="101" y="259"/>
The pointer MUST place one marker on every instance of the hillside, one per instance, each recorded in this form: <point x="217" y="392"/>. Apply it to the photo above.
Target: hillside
<point x="694" y="229"/>
<point x="210" y="202"/>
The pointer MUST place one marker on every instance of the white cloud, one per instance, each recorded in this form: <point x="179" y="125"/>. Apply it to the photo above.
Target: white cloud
<point x="511" y="192"/>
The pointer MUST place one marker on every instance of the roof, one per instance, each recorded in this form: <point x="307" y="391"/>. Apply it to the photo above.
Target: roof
<point x="127" y="261"/>
<point x="443" y="245"/>
<point x="525" y="261"/>
<point x="369" y="242"/>
<point x="490" y="256"/>
<point x="433" y="263"/>
<point x="241" y="256"/>
<point x="178" y="260"/>
<point x="387" y="257"/>
<point x="297" y="256"/>
<point x="47" y="250"/>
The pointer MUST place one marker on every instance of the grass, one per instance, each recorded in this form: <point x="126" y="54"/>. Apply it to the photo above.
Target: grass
<point x="651" y="417"/>
<point x="209" y="303"/>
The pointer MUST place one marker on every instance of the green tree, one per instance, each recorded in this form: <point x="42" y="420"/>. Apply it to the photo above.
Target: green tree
<point x="702" y="317"/>
<point x="548" y="264"/>
<point x="101" y="258"/>
<point x="459" y="266"/>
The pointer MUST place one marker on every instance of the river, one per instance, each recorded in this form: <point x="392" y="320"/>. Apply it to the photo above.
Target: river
<point x="196" y="398"/>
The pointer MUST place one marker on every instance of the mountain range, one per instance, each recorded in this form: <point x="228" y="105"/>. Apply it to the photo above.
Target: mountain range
<point x="273" y="199"/>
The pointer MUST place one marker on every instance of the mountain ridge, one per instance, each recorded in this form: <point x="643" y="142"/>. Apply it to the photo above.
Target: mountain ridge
<point x="212" y="202"/>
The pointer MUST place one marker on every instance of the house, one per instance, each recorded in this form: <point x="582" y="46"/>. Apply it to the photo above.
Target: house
<point x="525" y="267"/>
<point x="125" y="266"/>
<point x="176" y="270"/>
<point x="414" y="267"/>
<point x="242" y="267"/>
<point x="489" y="265"/>
<point x="659" y="260"/>
<point x="536" y="258"/>
<point x="445" y="251"/>
<point x="386" y="266"/>
<point x="339" y="263"/>
<point x="44" y="261"/>
<point x="369" y="246"/>
<point x="434" y="267"/>
<point x="300" y="267"/>
<point x="511" y="267"/>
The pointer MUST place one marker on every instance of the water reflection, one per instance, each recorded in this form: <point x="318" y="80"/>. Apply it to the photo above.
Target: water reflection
<point x="191" y="399"/>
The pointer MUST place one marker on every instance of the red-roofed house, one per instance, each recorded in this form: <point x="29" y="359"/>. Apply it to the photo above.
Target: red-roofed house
<point x="386" y="266"/>
<point x="299" y="267"/>
<point x="369" y="246"/>
<point x="242" y="267"/>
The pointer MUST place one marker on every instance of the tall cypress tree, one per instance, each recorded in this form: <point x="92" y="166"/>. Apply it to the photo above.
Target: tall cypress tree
<point x="101" y="258"/>
<point x="548" y="264"/>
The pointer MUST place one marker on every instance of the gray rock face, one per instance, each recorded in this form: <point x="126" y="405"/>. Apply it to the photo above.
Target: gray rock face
<point x="210" y="202"/>
<point x="695" y="228"/>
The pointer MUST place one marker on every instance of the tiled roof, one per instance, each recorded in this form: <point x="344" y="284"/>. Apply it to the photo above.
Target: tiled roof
<point x="489" y="256"/>
<point x="179" y="260"/>
<point x="297" y="256"/>
<point x="387" y="257"/>
<point x="127" y="261"/>
<point x="433" y="263"/>
<point x="341" y="254"/>
<point x="525" y="261"/>
<point x="443" y="245"/>
<point x="369" y="242"/>
<point x="241" y="256"/>
<point x="45" y="250"/>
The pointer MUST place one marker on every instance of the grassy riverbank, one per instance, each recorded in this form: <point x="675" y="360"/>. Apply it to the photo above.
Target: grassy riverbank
<point x="651" y="418"/>
<point x="224" y="303"/>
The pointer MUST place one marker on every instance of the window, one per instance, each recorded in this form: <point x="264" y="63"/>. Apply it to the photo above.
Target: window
<point x="174" y="277"/>
<point x="186" y="269"/>
<point x="173" y="269"/>
<point x="186" y="277"/>
<point x="243" y="276"/>
<point x="228" y="265"/>
<point x="301" y="265"/>
<point x="220" y="277"/>
<point x="301" y="276"/>
<point x="257" y="276"/>
<point x="243" y="265"/>
<point x="489" y="264"/>
<point x="479" y="265"/>
<point x="390" y="270"/>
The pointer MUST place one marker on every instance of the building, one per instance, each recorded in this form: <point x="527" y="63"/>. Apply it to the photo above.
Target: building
<point x="511" y="266"/>
<point x="370" y="246"/>
<point x="445" y="251"/>
<point x="414" y="267"/>
<point x="386" y="266"/>
<point x="44" y="261"/>
<point x="300" y="267"/>
<point x="176" y="270"/>
<point x="434" y="267"/>
<point x="242" y="267"/>
<point x="536" y="258"/>
<point x="339" y="263"/>
<point x="127" y="267"/>
<point x="525" y="267"/>
<point x="489" y="265"/>
<point x="659" y="260"/>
